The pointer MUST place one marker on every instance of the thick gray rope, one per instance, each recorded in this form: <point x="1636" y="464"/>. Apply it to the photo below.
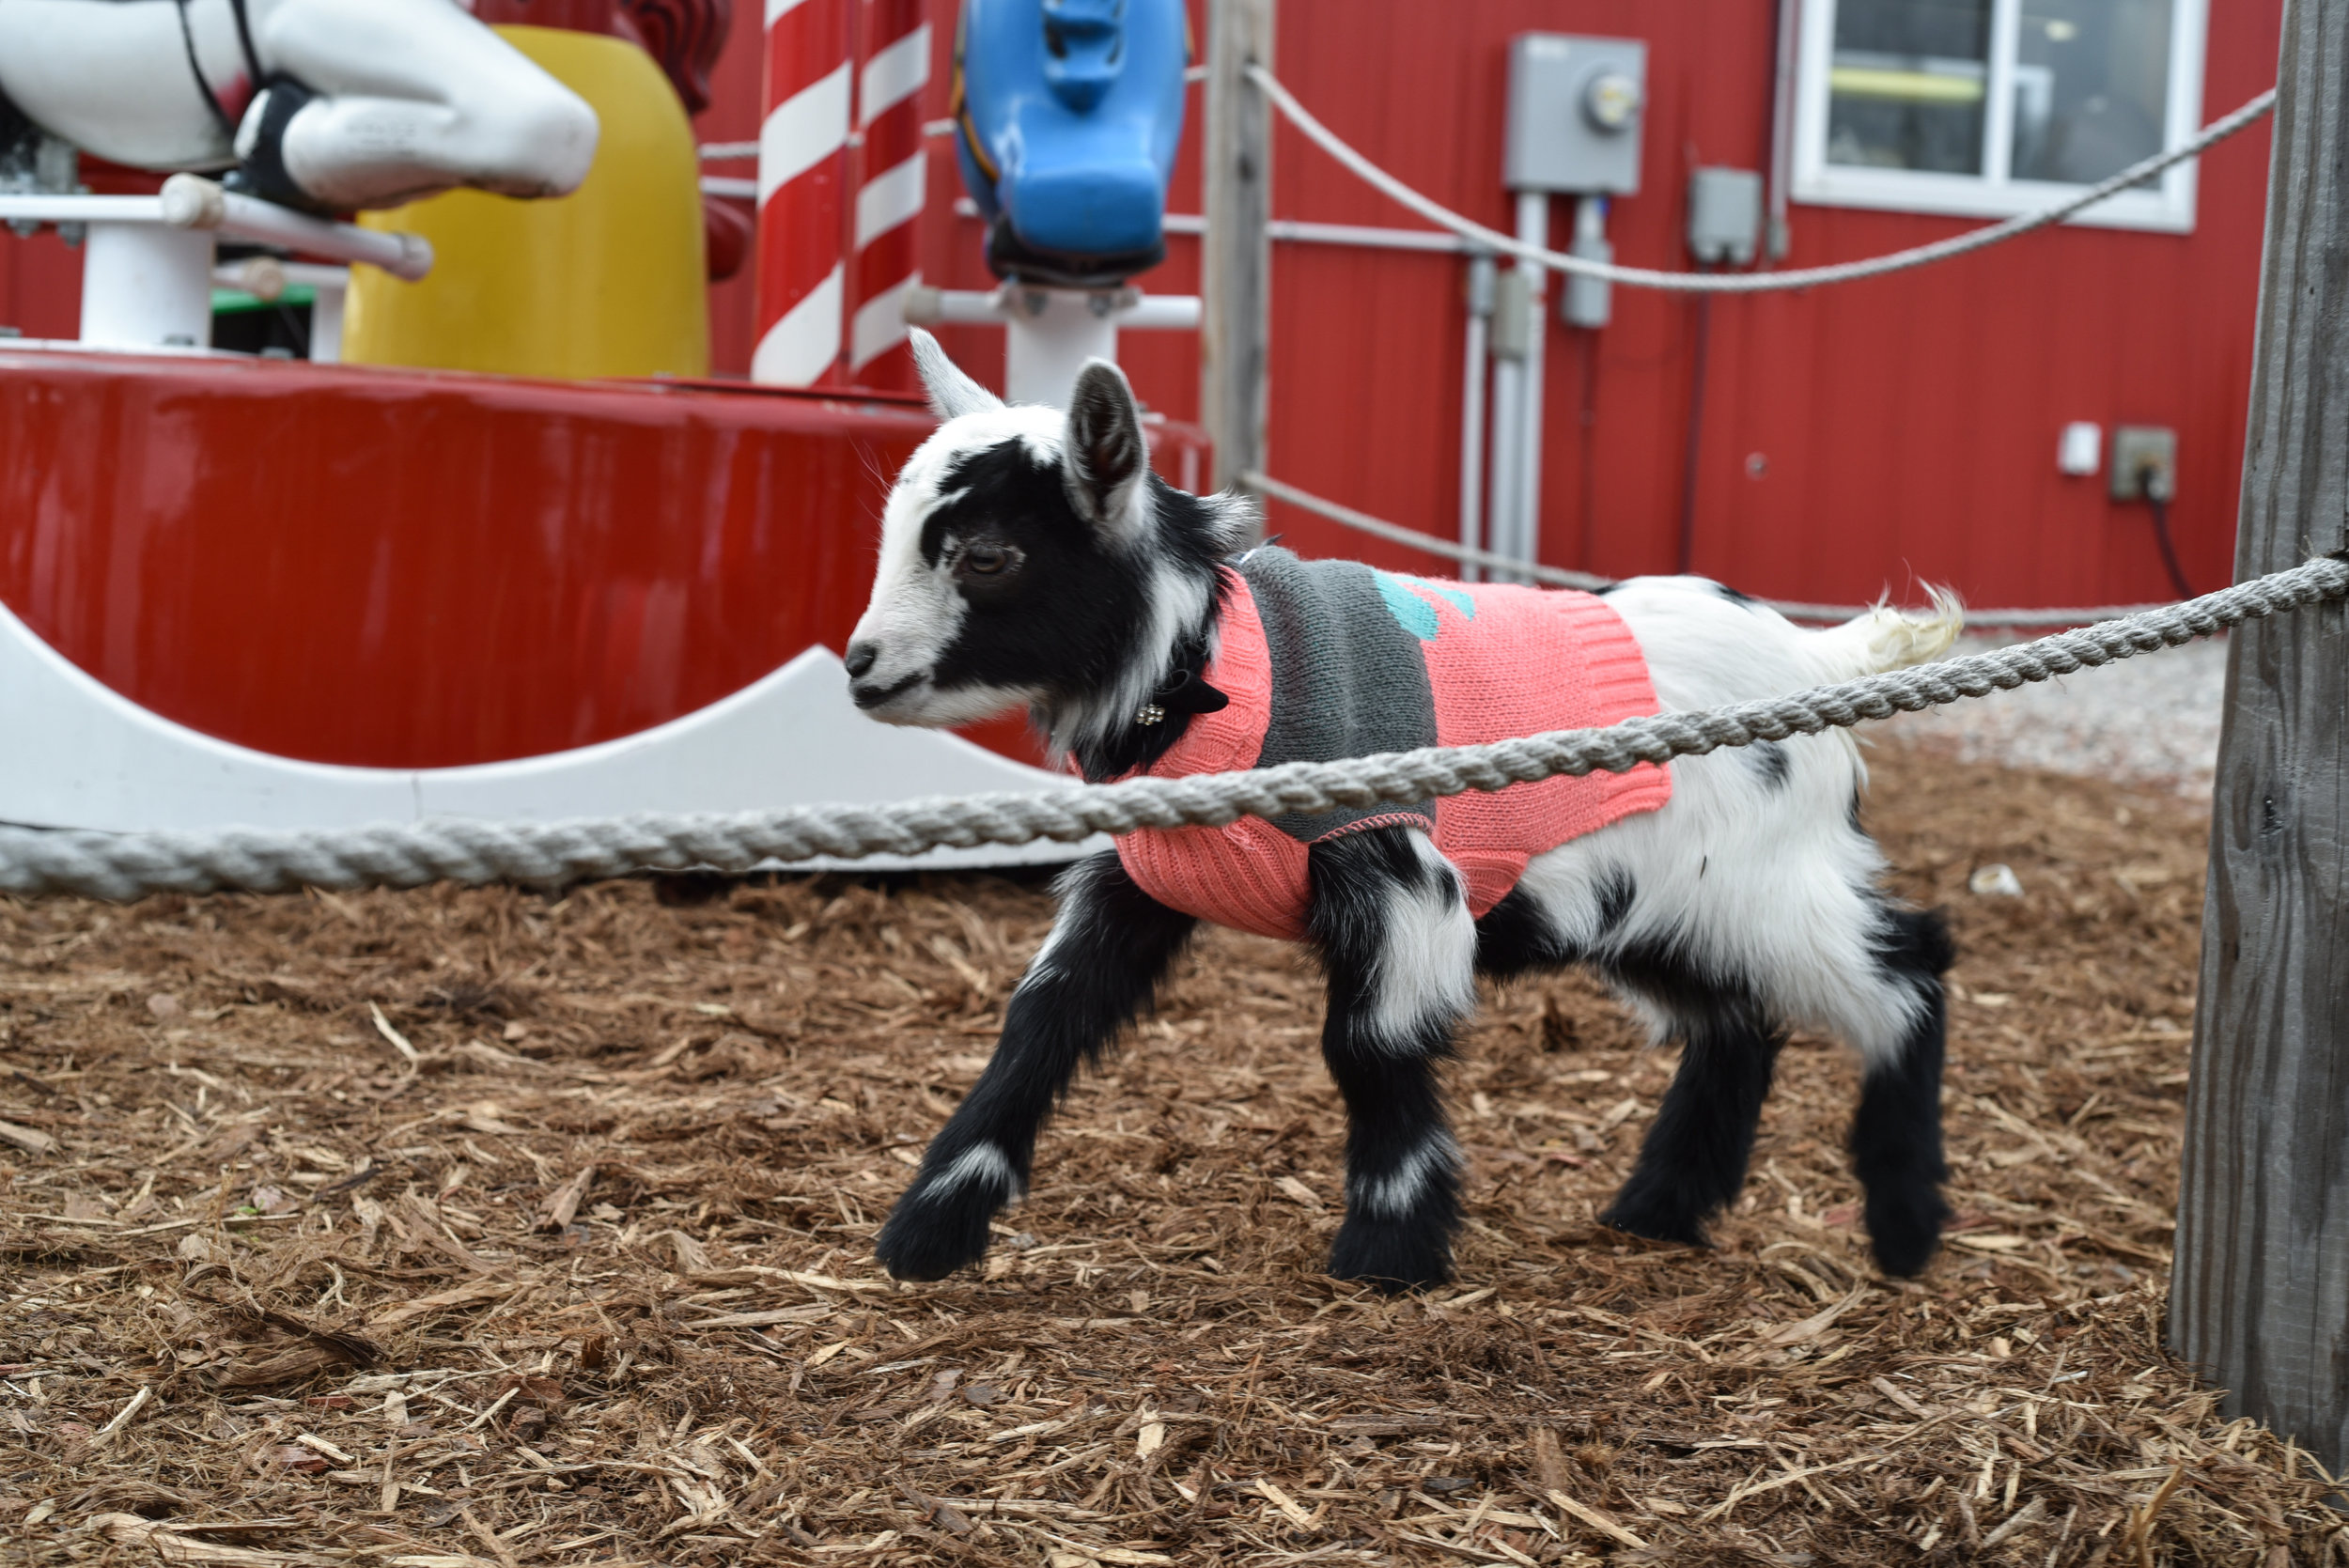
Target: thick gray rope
<point x="1743" y="283"/>
<point x="127" y="866"/>
<point x="1557" y="577"/>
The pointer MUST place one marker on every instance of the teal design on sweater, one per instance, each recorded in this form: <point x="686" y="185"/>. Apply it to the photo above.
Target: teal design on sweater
<point x="1408" y="600"/>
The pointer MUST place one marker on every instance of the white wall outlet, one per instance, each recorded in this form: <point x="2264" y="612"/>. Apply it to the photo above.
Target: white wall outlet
<point x="2081" y="450"/>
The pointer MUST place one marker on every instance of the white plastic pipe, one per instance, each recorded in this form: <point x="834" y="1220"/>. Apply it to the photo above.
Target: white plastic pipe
<point x="1480" y="315"/>
<point x="1051" y="332"/>
<point x="147" y="272"/>
<point x="146" y="286"/>
<point x="37" y="208"/>
<point x="1526" y="514"/>
<point x="1506" y="416"/>
<point x="326" y="321"/>
<point x="190" y="201"/>
<point x="1160" y="312"/>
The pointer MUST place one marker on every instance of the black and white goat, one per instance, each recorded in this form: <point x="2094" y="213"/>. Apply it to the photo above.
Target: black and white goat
<point x="1031" y="558"/>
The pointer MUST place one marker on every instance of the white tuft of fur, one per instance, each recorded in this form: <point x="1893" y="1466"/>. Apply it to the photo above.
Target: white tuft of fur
<point x="982" y="1162"/>
<point x="1426" y="972"/>
<point x="1888" y="639"/>
<point x="1399" y="1191"/>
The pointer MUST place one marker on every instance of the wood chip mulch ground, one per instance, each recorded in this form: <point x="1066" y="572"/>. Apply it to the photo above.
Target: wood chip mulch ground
<point x="445" y="1229"/>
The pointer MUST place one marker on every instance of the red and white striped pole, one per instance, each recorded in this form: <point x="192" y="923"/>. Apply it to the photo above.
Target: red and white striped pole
<point x="802" y="180"/>
<point x="892" y="183"/>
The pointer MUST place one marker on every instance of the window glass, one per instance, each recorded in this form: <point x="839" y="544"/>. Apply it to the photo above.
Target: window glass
<point x="2091" y="82"/>
<point x="1909" y="82"/>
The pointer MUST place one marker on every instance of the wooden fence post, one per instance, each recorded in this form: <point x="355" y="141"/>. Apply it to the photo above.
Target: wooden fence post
<point x="1235" y="254"/>
<point x="2260" y="1294"/>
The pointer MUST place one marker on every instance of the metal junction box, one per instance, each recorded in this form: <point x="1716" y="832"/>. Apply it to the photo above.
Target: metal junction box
<point x="1575" y="108"/>
<point x="1724" y="216"/>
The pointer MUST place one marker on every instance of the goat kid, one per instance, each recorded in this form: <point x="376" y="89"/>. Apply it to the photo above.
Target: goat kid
<point x="1031" y="558"/>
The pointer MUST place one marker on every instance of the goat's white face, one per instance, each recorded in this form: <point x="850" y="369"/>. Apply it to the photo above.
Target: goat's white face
<point x="1008" y="538"/>
<point x="917" y="607"/>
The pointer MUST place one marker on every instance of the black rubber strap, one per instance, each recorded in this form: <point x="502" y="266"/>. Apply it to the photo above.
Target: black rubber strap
<point x="263" y="171"/>
<point x="245" y="38"/>
<point x="211" y="98"/>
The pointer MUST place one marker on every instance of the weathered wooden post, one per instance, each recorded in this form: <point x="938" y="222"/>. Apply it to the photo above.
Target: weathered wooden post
<point x="1235" y="257"/>
<point x="2260" y="1295"/>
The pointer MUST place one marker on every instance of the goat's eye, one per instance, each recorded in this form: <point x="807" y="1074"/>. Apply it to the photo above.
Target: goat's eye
<point x="985" y="560"/>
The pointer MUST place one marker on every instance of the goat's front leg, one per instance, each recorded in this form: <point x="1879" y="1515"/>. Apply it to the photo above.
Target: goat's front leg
<point x="1110" y="948"/>
<point x="1391" y="918"/>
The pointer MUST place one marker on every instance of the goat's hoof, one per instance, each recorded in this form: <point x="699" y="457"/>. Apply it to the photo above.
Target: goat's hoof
<point x="922" y="1258"/>
<point x="1390" y="1260"/>
<point x="1904" y="1235"/>
<point x="1669" y="1231"/>
<point x="925" y="1241"/>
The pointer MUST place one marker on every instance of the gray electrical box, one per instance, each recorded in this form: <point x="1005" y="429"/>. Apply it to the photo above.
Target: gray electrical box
<point x="2144" y="463"/>
<point x="1575" y="108"/>
<point x="1724" y="216"/>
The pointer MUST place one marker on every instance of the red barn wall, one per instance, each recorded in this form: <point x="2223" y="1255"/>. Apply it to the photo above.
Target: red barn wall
<point x="1906" y="428"/>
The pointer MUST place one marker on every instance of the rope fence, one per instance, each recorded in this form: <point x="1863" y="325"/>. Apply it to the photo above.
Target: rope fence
<point x="123" y="866"/>
<point x="130" y="865"/>
<point x="1745" y="283"/>
<point x="1559" y="577"/>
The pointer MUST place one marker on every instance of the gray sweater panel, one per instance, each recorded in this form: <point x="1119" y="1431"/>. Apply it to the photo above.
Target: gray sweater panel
<point x="1348" y="680"/>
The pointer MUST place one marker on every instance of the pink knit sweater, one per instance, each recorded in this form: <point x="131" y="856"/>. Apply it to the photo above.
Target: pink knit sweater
<point x="1502" y="661"/>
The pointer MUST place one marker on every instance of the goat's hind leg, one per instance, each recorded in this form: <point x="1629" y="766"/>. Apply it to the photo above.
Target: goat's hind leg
<point x="1693" y="1160"/>
<point x="1390" y="920"/>
<point x="1896" y="1135"/>
<point x="1103" y="964"/>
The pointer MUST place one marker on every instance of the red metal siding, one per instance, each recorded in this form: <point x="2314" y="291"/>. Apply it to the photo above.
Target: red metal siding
<point x="1906" y="426"/>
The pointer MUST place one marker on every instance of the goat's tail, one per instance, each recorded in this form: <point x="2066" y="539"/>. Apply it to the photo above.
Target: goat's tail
<point x="1888" y="639"/>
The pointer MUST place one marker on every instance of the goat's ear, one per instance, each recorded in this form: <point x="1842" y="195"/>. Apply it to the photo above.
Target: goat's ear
<point x="1105" y="459"/>
<point x="951" y="394"/>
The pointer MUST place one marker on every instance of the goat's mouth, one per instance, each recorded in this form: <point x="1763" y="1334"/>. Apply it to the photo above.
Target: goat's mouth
<point x="868" y="696"/>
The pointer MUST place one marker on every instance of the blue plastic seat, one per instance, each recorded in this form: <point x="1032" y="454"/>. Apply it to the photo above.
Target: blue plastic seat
<point x="1069" y="115"/>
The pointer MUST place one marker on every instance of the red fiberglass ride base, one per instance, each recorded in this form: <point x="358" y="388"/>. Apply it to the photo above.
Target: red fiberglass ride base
<point x="366" y="571"/>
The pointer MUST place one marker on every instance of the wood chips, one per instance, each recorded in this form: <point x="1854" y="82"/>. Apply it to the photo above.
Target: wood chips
<point x="483" y="1228"/>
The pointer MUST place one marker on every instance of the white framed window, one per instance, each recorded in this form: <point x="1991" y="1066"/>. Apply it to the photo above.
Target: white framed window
<point x="1988" y="108"/>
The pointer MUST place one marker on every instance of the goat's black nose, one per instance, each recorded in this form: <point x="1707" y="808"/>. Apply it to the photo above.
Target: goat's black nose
<point x="860" y="657"/>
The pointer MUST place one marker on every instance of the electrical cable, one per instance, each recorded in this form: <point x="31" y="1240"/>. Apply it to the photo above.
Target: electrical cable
<point x="1743" y="283"/>
<point x="1557" y="577"/>
<point x="2160" y="509"/>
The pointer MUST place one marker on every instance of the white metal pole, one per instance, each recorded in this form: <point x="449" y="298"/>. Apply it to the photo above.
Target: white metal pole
<point x="1480" y="314"/>
<point x="1533" y="228"/>
<point x="1049" y="334"/>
